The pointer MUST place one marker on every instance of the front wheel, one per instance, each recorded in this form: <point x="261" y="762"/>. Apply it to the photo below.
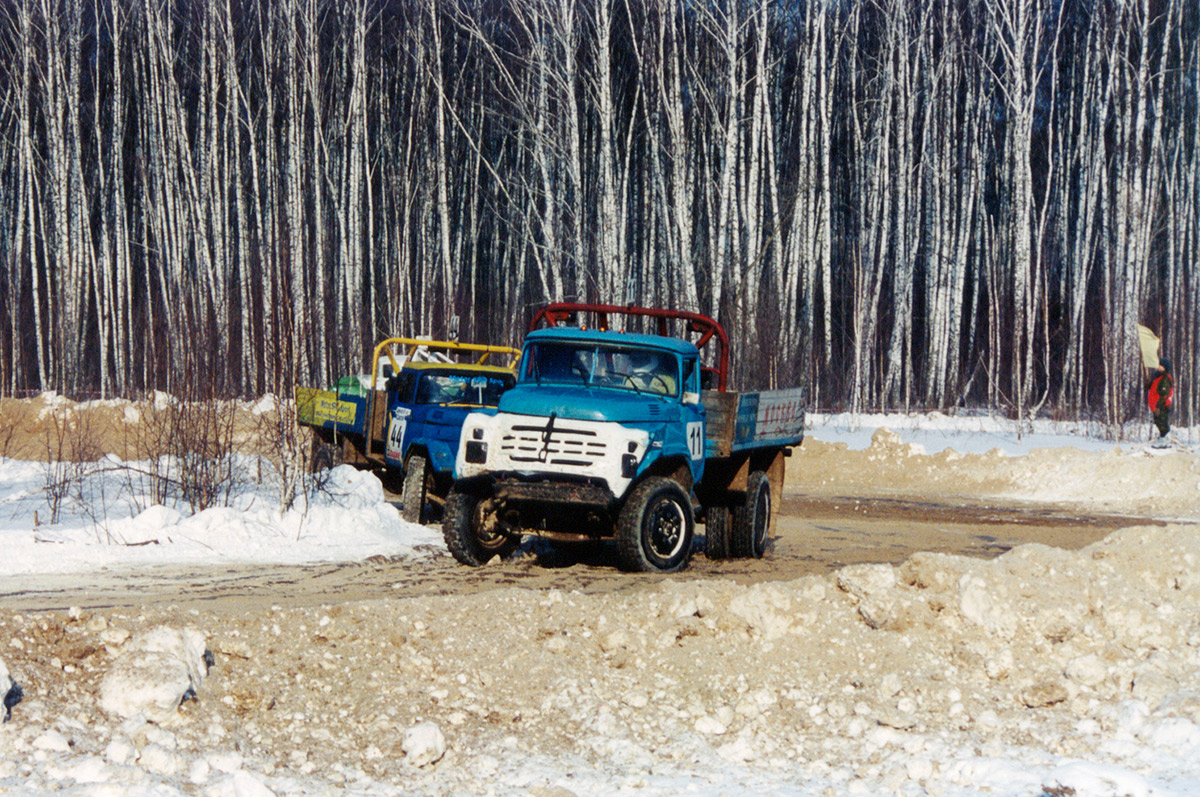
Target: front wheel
<point x="418" y="483"/>
<point x="654" y="529"/>
<point x="471" y="531"/>
<point x="752" y="520"/>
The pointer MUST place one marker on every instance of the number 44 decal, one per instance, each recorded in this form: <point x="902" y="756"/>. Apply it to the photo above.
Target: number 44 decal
<point x="395" y="438"/>
<point x="695" y="438"/>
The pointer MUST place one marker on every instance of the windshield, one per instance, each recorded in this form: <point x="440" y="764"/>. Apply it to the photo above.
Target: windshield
<point x="597" y="365"/>
<point x="476" y="389"/>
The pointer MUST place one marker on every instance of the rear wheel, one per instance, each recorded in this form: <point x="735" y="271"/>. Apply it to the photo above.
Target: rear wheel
<point x="717" y="525"/>
<point x="418" y="484"/>
<point x="655" y="527"/>
<point x="325" y="456"/>
<point x="752" y="519"/>
<point x="471" y="532"/>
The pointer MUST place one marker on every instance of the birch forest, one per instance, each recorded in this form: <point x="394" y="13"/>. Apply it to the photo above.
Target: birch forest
<point x="900" y="205"/>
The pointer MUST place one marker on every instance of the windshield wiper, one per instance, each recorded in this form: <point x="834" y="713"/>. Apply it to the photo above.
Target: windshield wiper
<point x="632" y="382"/>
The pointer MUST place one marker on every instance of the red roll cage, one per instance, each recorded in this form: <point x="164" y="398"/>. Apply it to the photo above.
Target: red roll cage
<point x="557" y="313"/>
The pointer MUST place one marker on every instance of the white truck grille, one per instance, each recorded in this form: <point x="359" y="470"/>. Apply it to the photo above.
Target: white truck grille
<point x="560" y="443"/>
<point x="506" y="442"/>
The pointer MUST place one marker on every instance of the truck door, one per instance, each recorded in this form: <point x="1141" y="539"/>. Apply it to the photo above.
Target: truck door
<point x="400" y="396"/>
<point x="693" y="415"/>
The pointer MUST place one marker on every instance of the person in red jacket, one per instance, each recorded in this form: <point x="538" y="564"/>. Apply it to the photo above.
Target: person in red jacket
<point x="1159" y="391"/>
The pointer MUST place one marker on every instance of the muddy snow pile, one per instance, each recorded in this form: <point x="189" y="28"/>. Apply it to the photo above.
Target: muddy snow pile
<point x="1042" y="669"/>
<point x="1128" y="479"/>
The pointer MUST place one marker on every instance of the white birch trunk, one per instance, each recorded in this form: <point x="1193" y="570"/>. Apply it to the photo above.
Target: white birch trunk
<point x="609" y="255"/>
<point x="672" y="59"/>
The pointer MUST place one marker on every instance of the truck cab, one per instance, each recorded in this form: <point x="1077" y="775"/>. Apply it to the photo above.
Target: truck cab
<point x="597" y="410"/>
<point x="427" y="403"/>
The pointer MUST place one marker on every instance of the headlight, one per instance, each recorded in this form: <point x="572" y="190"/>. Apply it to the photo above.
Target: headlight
<point x="476" y="452"/>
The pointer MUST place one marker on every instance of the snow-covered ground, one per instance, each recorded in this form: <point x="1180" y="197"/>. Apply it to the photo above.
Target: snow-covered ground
<point x="1094" y="687"/>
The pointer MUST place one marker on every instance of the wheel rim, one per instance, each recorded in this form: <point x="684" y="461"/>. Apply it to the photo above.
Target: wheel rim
<point x="488" y="540"/>
<point x="762" y="517"/>
<point x="665" y="530"/>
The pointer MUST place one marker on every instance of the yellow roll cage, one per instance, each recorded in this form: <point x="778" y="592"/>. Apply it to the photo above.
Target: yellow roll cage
<point x="412" y="346"/>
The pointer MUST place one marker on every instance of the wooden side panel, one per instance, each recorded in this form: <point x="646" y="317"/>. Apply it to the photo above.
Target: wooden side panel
<point x="377" y="428"/>
<point x="720" y="420"/>
<point x="775" y="473"/>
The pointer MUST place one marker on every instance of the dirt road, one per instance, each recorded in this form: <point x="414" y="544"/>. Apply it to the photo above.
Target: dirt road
<point x="813" y="535"/>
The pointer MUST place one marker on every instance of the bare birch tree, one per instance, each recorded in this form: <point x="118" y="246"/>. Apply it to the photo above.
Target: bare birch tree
<point x="969" y="202"/>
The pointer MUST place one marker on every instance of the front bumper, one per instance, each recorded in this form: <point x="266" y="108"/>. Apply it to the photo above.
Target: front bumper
<point x="510" y="487"/>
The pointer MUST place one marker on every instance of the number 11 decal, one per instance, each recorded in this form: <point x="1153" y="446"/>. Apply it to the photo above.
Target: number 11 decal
<point x="695" y="436"/>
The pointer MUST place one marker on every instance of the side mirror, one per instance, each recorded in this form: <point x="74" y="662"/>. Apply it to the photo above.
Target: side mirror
<point x="691" y="398"/>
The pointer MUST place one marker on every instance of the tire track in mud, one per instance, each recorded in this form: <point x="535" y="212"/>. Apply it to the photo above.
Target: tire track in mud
<point x="812" y="535"/>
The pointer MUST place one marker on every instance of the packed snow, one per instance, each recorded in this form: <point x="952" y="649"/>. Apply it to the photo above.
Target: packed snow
<point x="158" y="670"/>
<point x="1040" y="672"/>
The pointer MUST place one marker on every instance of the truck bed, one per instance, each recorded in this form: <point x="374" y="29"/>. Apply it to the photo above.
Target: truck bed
<point x="745" y="421"/>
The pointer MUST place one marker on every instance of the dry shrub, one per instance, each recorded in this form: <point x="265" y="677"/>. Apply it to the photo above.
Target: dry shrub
<point x="70" y="456"/>
<point x="165" y="449"/>
<point x="186" y="450"/>
<point x="288" y="446"/>
<point x="8" y="430"/>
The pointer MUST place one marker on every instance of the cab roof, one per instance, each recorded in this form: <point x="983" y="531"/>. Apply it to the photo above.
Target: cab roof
<point x="578" y="335"/>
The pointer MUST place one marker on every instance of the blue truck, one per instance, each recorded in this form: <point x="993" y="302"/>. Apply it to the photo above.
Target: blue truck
<point x="613" y="435"/>
<point x="403" y="418"/>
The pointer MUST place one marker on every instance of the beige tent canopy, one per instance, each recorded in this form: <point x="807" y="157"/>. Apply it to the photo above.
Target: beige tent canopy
<point x="1149" y="343"/>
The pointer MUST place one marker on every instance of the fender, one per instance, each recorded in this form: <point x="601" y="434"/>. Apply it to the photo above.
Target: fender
<point x="441" y="456"/>
<point x="677" y="468"/>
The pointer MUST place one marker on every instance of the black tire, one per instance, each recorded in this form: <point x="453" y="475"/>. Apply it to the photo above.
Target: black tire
<point x="717" y="526"/>
<point x="655" y="527"/>
<point x="463" y="531"/>
<point x="752" y="519"/>
<point x="418" y="482"/>
<point x="325" y="456"/>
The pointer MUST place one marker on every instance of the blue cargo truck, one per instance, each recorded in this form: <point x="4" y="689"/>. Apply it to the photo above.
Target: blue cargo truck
<point x="403" y="419"/>
<point x="612" y="435"/>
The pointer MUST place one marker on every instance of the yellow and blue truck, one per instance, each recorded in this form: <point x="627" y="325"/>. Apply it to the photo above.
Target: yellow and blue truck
<point x="403" y="418"/>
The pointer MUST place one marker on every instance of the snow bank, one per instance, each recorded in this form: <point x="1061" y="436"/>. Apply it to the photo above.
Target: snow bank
<point x="101" y="523"/>
<point x="978" y="433"/>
